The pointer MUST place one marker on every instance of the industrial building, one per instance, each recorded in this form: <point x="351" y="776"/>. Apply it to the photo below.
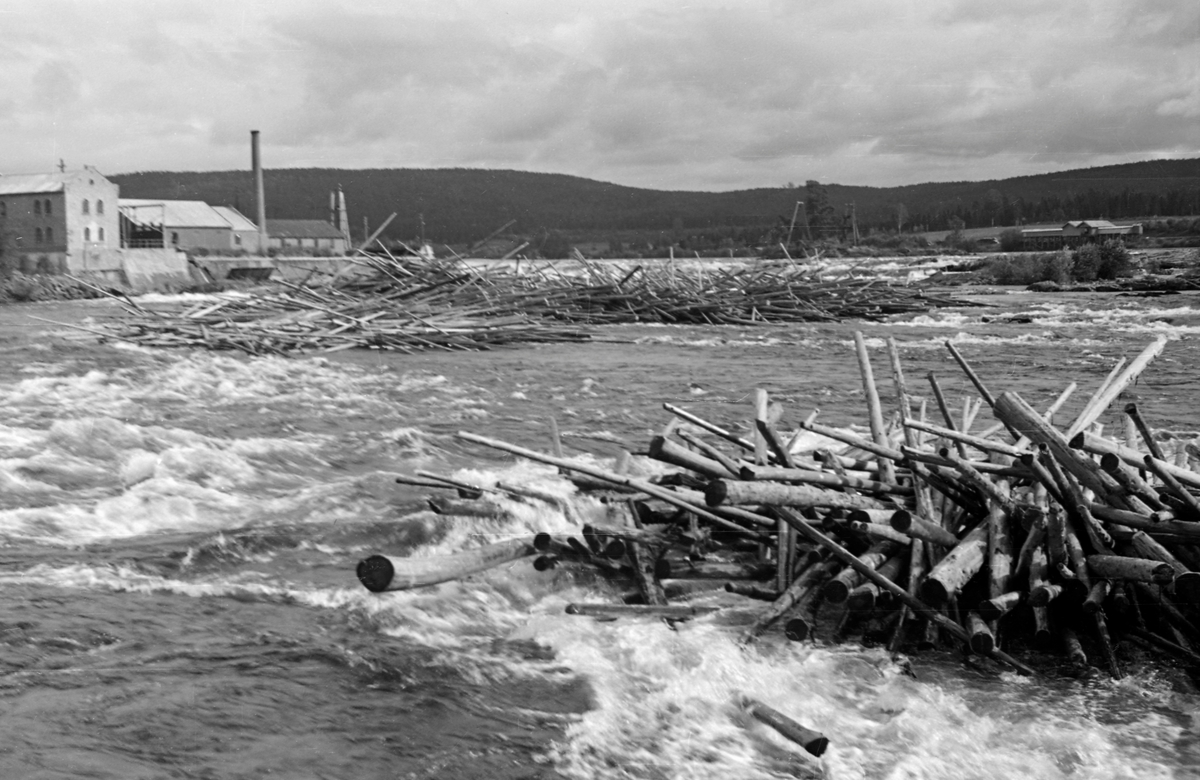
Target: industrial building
<point x="1074" y="233"/>
<point x="188" y="225"/>
<point x="308" y="235"/>
<point x="50" y="222"/>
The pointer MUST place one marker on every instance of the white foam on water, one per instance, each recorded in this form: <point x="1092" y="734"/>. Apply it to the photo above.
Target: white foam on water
<point x="666" y="707"/>
<point x="1045" y="338"/>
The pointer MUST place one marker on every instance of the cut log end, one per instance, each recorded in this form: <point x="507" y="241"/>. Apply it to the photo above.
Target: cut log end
<point x="982" y="643"/>
<point x="716" y="492"/>
<point x="836" y="592"/>
<point x="797" y="629"/>
<point x="375" y="573"/>
<point x="934" y="592"/>
<point x="1187" y="587"/>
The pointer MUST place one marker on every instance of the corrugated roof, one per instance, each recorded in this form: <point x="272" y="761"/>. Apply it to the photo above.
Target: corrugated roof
<point x="301" y="228"/>
<point x="178" y="213"/>
<point x="236" y="219"/>
<point x="31" y="183"/>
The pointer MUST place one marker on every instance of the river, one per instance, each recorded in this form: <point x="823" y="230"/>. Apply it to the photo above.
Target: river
<point x="180" y="531"/>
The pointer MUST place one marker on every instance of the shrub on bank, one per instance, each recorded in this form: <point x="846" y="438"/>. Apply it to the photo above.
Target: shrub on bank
<point x="1026" y="269"/>
<point x="1109" y="260"/>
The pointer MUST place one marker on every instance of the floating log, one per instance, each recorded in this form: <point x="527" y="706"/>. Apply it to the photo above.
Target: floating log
<point x="667" y="611"/>
<point x="380" y="573"/>
<point x="812" y="741"/>
<point x="463" y="507"/>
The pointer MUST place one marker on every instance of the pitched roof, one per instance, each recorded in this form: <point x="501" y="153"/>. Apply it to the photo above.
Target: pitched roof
<point x="28" y="183"/>
<point x="236" y="219"/>
<point x="302" y="228"/>
<point x="174" y="213"/>
<point x="38" y="183"/>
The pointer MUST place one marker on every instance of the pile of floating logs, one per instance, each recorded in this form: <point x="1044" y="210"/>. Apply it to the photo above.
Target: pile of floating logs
<point x="412" y="304"/>
<point x="1026" y="539"/>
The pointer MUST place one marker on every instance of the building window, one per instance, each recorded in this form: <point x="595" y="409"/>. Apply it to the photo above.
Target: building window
<point x="100" y="236"/>
<point x="49" y="235"/>
<point x="37" y="236"/>
<point x="85" y="206"/>
<point x="174" y="237"/>
<point x="37" y="207"/>
<point x="99" y="207"/>
<point x="237" y="239"/>
<point x="47" y="209"/>
<point x="87" y="234"/>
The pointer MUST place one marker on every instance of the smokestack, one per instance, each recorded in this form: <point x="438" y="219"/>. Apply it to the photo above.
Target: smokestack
<point x="343" y="221"/>
<point x="260" y="200"/>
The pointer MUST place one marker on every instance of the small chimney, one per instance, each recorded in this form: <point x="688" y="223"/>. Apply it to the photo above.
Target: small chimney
<point x="260" y="200"/>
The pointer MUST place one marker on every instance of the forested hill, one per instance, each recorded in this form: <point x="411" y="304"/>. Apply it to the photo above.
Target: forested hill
<point x="466" y="204"/>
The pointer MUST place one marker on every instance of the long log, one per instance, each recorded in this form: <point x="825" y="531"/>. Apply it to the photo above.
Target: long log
<point x="1131" y="411"/>
<point x="668" y="611"/>
<point x="380" y="573"/>
<point x="641" y="485"/>
<point x="875" y="412"/>
<point x="812" y="741"/>
<point x="723" y="491"/>
<point x="807" y="477"/>
<point x="1099" y="404"/>
<point x="662" y="448"/>
<point x="1118" y="567"/>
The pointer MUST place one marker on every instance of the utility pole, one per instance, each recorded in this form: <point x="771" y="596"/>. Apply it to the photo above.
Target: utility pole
<point x="807" y="229"/>
<point x="853" y="221"/>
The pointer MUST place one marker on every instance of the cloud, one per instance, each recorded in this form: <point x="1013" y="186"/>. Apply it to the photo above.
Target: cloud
<point x="697" y="95"/>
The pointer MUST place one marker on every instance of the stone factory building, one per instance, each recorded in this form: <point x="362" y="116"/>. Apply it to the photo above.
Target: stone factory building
<point x="51" y="222"/>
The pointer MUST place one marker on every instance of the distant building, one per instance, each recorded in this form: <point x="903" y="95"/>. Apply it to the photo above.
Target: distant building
<point x="49" y="222"/>
<point x="305" y="234"/>
<point x="1074" y="233"/>
<point x="245" y="232"/>
<point x="187" y="225"/>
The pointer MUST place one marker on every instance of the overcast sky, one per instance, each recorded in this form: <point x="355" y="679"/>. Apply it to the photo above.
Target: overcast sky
<point x="656" y="93"/>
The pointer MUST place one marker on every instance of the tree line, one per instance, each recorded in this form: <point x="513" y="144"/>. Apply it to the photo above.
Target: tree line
<point x="457" y="206"/>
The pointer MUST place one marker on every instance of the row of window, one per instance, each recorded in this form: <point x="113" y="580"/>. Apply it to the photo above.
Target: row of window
<point x="47" y="236"/>
<point x="41" y="207"/>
